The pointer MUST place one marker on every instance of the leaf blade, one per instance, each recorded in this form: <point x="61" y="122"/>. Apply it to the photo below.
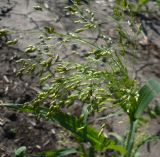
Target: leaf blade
<point x="58" y="153"/>
<point x="76" y="126"/>
<point x="146" y="94"/>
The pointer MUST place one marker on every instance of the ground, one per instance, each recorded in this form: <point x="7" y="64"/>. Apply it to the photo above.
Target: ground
<point x="17" y="129"/>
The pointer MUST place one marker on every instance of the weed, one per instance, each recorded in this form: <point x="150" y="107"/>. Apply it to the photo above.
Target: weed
<point x="98" y="81"/>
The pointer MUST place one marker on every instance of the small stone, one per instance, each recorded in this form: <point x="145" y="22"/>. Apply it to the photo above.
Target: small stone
<point x="2" y="122"/>
<point x="38" y="147"/>
<point x="53" y="131"/>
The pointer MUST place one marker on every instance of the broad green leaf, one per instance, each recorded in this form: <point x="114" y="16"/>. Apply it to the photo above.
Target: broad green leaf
<point x="21" y="151"/>
<point x="83" y="132"/>
<point x="146" y="94"/>
<point x="58" y="153"/>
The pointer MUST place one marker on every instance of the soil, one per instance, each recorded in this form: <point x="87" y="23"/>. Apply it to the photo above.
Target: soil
<point x="17" y="129"/>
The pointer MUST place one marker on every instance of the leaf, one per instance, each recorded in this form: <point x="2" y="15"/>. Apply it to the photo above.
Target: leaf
<point x="58" y="153"/>
<point x="21" y="151"/>
<point x="84" y="133"/>
<point x="146" y="94"/>
<point x="158" y="2"/>
<point x="116" y="136"/>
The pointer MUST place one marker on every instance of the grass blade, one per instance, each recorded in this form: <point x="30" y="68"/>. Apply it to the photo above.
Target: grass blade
<point x="146" y="94"/>
<point x="58" y="153"/>
<point x="83" y="132"/>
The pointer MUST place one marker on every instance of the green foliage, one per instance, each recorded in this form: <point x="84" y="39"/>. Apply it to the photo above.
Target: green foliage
<point x="100" y="79"/>
<point x="147" y="93"/>
<point x="83" y="133"/>
<point x="143" y="2"/>
<point x="21" y="152"/>
<point x="158" y="2"/>
<point x="58" y="153"/>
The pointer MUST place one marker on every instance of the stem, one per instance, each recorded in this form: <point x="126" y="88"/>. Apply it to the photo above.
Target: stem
<point x="82" y="151"/>
<point x="131" y="138"/>
<point x="91" y="152"/>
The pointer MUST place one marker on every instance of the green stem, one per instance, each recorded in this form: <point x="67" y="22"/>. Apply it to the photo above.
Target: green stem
<point x="91" y="152"/>
<point x="131" y="138"/>
<point x="82" y="151"/>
